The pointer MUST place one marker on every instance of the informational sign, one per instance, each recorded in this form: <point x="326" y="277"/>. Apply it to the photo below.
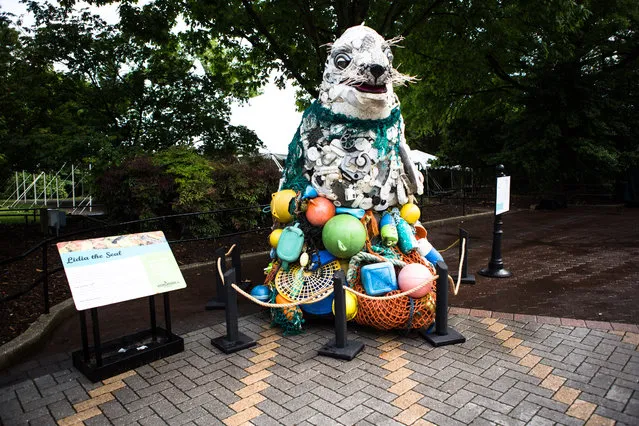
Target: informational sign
<point x="102" y="271"/>
<point x="502" y="203"/>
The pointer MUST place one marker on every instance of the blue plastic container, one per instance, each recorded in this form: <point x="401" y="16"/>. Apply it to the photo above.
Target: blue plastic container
<point x="379" y="278"/>
<point x="322" y="307"/>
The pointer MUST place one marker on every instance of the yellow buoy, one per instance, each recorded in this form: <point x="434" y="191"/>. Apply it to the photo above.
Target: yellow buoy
<point x="279" y="205"/>
<point x="410" y="212"/>
<point x="274" y="237"/>
<point x="351" y="306"/>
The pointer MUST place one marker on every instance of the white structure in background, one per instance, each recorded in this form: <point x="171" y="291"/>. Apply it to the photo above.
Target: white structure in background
<point x="40" y="185"/>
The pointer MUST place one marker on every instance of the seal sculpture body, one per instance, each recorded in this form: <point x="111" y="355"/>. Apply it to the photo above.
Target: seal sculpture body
<point x="350" y="145"/>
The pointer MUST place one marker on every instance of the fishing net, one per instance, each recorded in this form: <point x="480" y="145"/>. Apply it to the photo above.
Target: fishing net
<point x="293" y="175"/>
<point x="289" y="319"/>
<point x="400" y="313"/>
<point x="297" y="284"/>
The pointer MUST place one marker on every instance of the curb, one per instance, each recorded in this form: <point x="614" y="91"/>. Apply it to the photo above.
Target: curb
<point x="37" y="333"/>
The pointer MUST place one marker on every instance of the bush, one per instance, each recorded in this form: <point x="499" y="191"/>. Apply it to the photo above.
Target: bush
<point x="137" y="189"/>
<point x="179" y="180"/>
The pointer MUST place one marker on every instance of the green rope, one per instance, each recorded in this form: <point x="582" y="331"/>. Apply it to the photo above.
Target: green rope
<point x="294" y="167"/>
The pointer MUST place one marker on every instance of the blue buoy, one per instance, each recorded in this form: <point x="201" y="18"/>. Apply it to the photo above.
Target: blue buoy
<point x="261" y="293"/>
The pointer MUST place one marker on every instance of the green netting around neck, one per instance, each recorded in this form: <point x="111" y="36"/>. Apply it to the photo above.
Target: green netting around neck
<point x="294" y="169"/>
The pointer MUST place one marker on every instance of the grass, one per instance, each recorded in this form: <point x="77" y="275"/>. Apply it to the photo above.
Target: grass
<point x="17" y="216"/>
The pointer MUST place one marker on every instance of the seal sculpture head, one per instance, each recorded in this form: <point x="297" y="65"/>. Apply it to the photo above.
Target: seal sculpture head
<point x="359" y="75"/>
<point x="350" y="144"/>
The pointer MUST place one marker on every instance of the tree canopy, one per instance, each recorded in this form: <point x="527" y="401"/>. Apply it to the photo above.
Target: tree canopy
<point x="547" y="87"/>
<point x="77" y="87"/>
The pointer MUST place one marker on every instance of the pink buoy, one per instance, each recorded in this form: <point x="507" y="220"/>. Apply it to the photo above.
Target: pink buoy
<point x="411" y="276"/>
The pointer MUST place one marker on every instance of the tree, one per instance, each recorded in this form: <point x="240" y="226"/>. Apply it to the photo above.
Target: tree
<point x="549" y="88"/>
<point x="80" y="87"/>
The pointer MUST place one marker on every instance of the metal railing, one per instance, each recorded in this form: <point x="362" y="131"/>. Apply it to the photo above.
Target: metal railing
<point x="108" y="228"/>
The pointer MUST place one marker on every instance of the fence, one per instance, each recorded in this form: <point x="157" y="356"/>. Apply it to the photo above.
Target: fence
<point x="164" y="223"/>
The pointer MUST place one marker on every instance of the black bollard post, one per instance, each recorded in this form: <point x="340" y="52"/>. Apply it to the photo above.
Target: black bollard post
<point x="495" y="267"/>
<point x="218" y="302"/>
<point x="340" y="347"/>
<point x="466" y="278"/>
<point x="443" y="335"/>
<point x="234" y="340"/>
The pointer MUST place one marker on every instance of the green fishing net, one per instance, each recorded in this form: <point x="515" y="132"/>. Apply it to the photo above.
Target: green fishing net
<point x="294" y="167"/>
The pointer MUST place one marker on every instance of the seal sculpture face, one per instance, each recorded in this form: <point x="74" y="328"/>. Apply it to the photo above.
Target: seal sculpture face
<point x="350" y="145"/>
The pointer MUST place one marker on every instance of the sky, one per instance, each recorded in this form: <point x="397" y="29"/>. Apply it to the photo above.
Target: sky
<point x="271" y="115"/>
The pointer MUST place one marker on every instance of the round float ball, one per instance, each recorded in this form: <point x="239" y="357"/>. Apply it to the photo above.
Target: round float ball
<point x="319" y="211"/>
<point x="274" y="237"/>
<point x="344" y="236"/>
<point x="261" y="293"/>
<point x="288" y="312"/>
<point x="410" y="212"/>
<point x="279" y="205"/>
<point x="413" y="275"/>
<point x="351" y="306"/>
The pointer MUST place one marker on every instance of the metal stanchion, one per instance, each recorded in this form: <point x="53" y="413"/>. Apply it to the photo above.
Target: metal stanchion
<point x="340" y="347"/>
<point x="466" y="278"/>
<point x="234" y="340"/>
<point x="495" y="267"/>
<point x="443" y="335"/>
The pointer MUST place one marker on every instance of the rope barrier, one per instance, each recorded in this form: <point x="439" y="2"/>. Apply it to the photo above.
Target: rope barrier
<point x="394" y="296"/>
<point x="450" y="246"/>
<point x="459" y="272"/>
<point x="312" y="299"/>
<point x="323" y="295"/>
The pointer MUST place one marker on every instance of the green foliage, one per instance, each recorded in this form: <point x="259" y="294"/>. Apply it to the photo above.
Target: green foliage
<point x="137" y="189"/>
<point x="179" y="180"/>
<point x="242" y="182"/>
<point x="548" y="88"/>
<point x="191" y="175"/>
<point x="116" y="90"/>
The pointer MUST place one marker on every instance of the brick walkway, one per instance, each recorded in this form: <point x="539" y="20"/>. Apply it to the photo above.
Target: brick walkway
<point x="509" y="371"/>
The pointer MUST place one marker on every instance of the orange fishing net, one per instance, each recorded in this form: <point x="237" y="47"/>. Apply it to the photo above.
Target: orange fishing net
<point x="403" y="312"/>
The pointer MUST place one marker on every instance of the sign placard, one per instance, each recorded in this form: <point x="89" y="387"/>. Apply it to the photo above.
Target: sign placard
<point x="102" y="271"/>
<point x="502" y="203"/>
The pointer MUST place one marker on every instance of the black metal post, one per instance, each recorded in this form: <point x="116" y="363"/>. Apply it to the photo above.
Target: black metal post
<point x="466" y="278"/>
<point x="340" y="347"/>
<point x="84" y="336"/>
<point x="97" y="345"/>
<point x="234" y="340"/>
<point x="495" y="267"/>
<point x="154" y="328"/>
<point x="463" y="188"/>
<point x="219" y="301"/>
<point x="167" y="314"/>
<point x="443" y="335"/>
<point x="45" y="277"/>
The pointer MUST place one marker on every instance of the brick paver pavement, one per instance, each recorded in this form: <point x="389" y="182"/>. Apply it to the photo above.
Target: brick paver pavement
<point x="509" y="371"/>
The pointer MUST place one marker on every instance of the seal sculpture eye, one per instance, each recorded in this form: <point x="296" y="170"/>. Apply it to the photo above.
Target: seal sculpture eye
<point x="342" y="60"/>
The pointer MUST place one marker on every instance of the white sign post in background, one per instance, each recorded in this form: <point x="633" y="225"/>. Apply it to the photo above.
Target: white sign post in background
<point x="502" y="202"/>
<point x="103" y="271"/>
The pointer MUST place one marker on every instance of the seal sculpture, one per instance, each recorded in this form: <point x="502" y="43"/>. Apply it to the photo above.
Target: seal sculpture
<point x="350" y="145"/>
<point x="347" y="173"/>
